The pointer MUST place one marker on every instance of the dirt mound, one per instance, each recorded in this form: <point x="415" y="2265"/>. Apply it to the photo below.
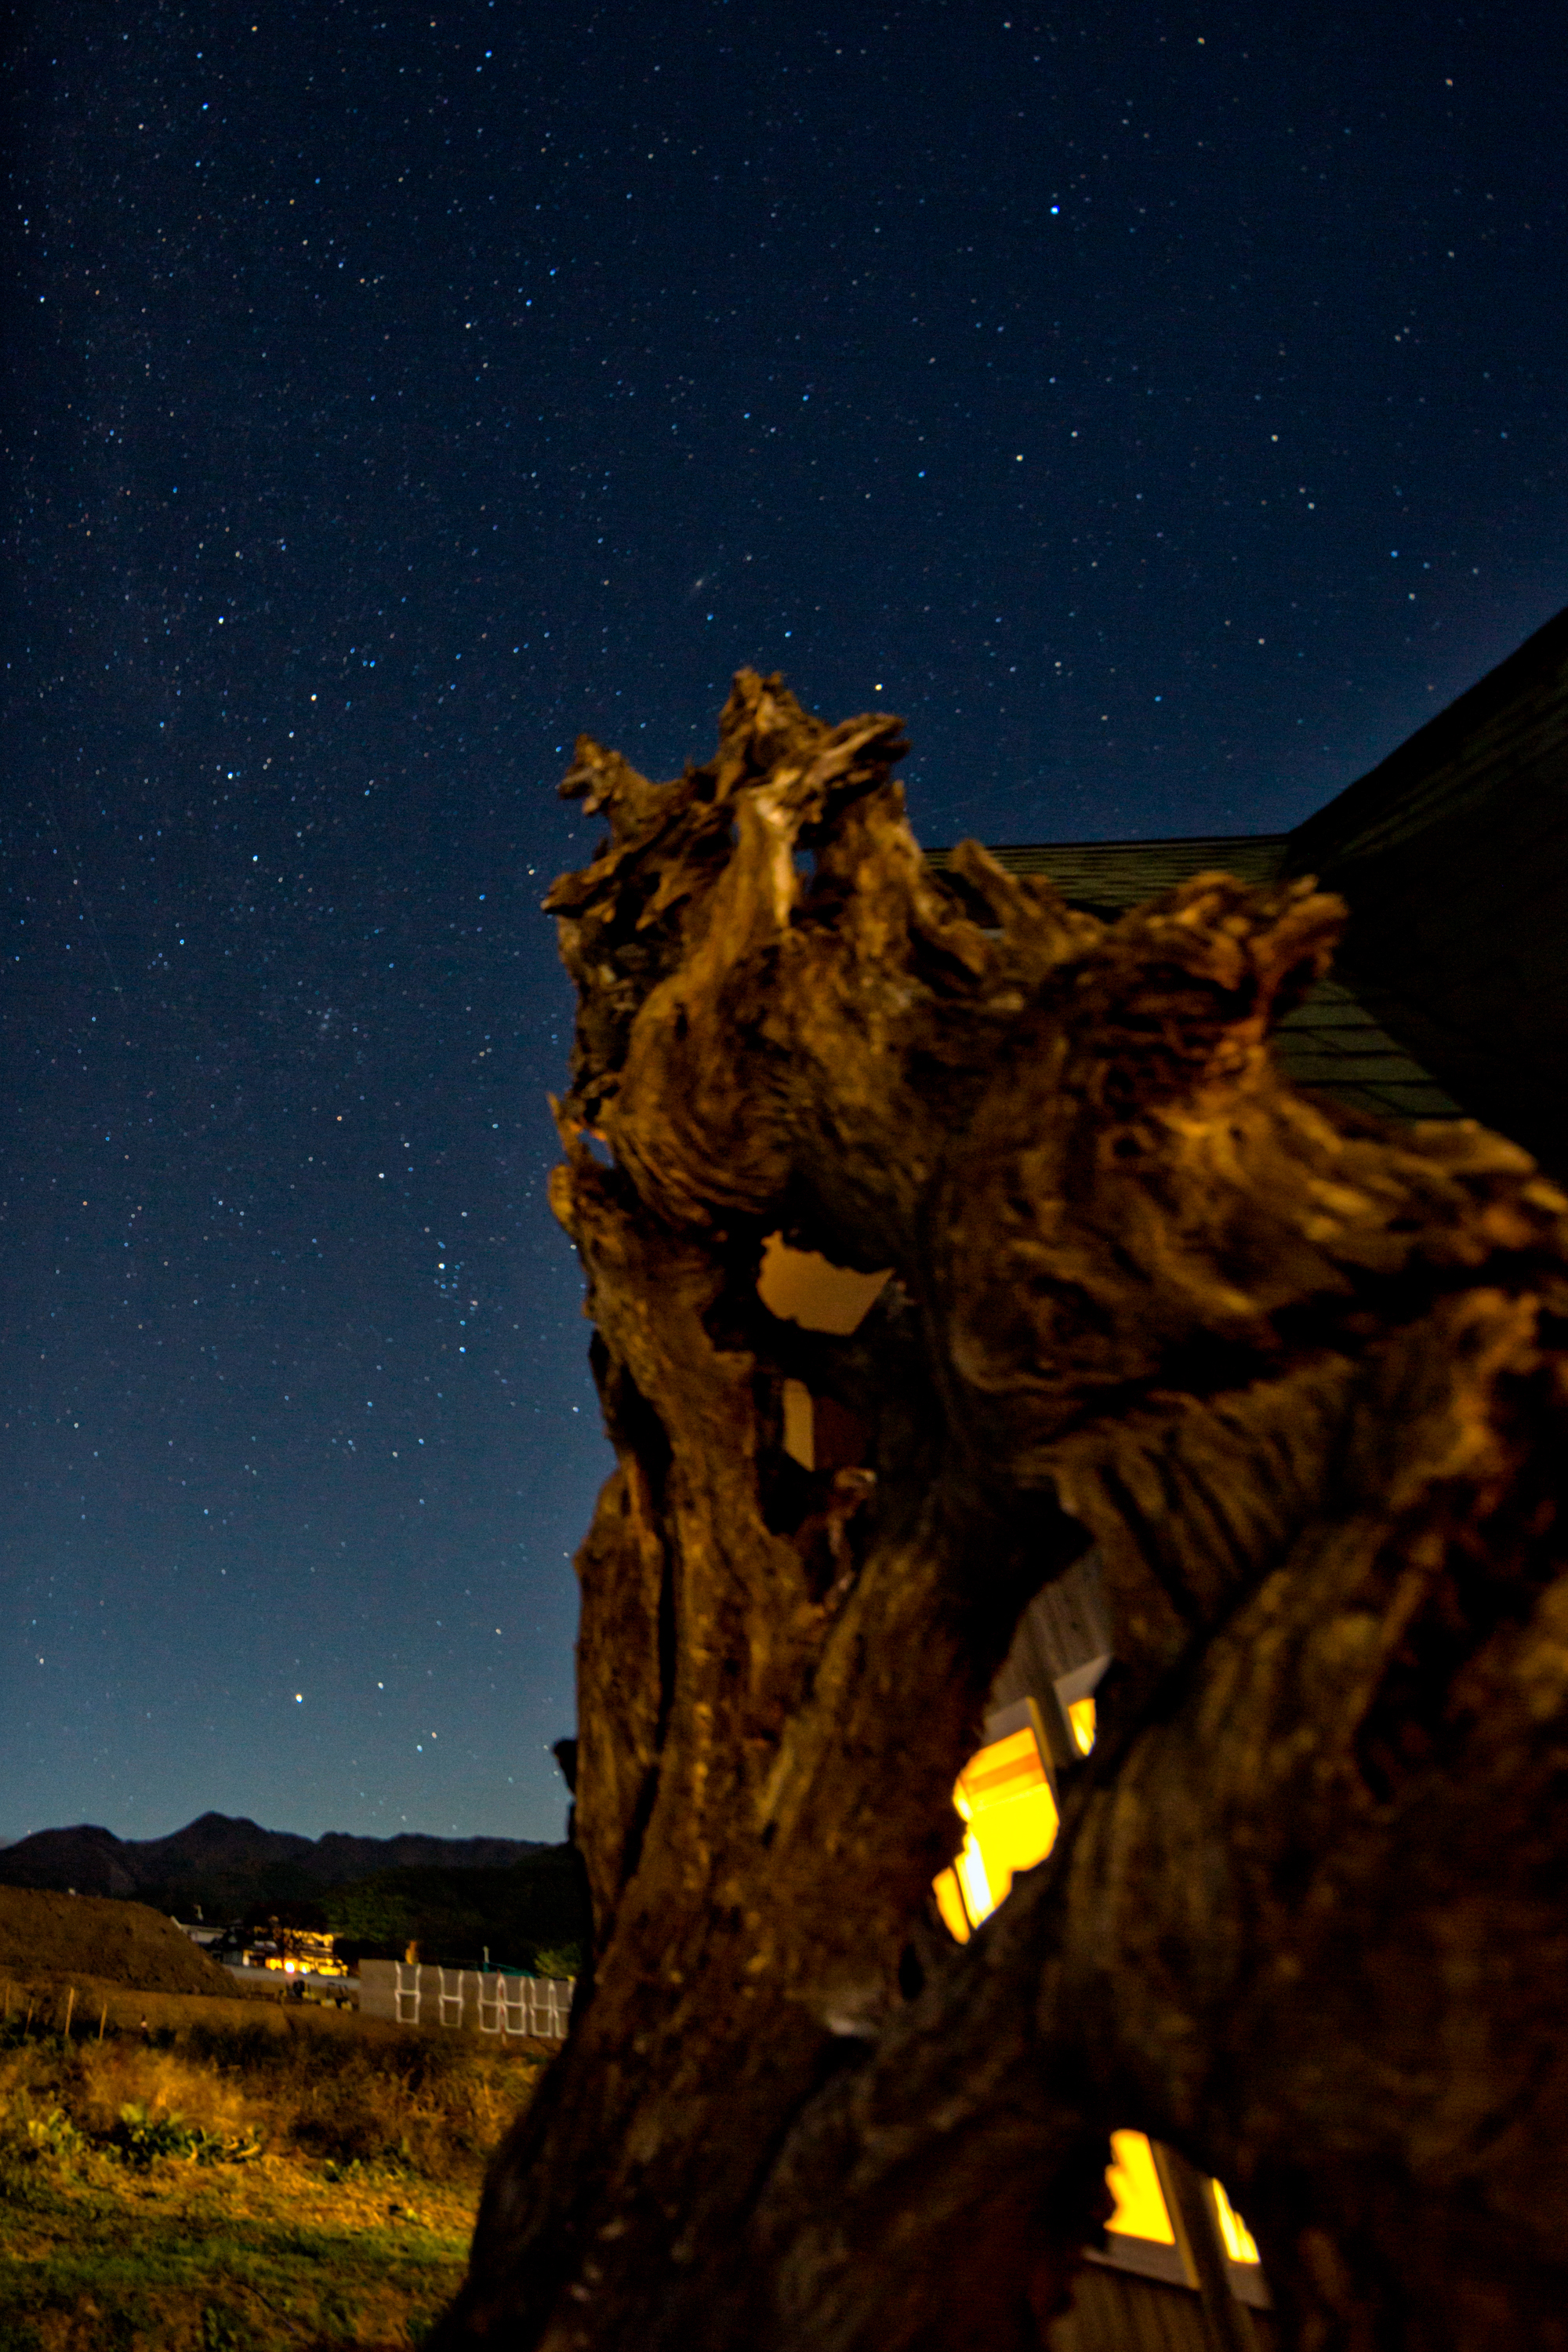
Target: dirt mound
<point x="44" y="1935"/>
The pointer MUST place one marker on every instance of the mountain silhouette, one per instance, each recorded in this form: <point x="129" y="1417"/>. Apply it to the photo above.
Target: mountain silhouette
<point x="230" y="1868"/>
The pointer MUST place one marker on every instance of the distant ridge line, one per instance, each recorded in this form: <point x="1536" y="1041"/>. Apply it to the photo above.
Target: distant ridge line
<point x="231" y="1859"/>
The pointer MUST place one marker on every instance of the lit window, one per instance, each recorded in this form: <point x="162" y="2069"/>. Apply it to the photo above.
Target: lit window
<point x="1081" y="1716"/>
<point x="1239" y="2242"/>
<point x="950" y="1902"/>
<point x="799" y="1424"/>
<point x="1004" y="1799"/>
<point x="802" y="1286"/>
<point x="1140" y="2208"/>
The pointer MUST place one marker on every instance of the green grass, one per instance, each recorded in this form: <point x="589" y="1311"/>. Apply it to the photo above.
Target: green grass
<point x="233" y="2188"/>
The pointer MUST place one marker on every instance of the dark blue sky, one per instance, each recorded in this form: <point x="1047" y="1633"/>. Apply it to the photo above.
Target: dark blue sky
<point x="1160" y="407"/>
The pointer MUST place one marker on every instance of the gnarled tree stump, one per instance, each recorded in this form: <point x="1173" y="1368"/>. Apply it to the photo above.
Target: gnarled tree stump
<point x="1301" y="1379"/>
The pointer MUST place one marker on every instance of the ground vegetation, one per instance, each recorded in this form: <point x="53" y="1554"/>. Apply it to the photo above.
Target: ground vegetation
<point x="179" y="2173"/>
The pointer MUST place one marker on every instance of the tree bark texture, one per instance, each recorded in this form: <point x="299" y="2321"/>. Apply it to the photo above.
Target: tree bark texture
<point x="1301" y="1379"/>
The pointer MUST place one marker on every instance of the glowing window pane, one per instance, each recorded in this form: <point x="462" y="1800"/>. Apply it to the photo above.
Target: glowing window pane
<point x="1140" y="2211"/>
<point x="974" y="1880"/>
<point x="1081" y="1715"/>
<point x="799" y="1424"/>
<point x="1014" y="1835"/>
<point x="1003" y="1798"/>
<point x="804" y="1288"/>
<point x="950" y="1902"/>
<point x="1002" y="1769"/>
<point x="1013" y="1814"/>
<point x="1239" y="2242"/>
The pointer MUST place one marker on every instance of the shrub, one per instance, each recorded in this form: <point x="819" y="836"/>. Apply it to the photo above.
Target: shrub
<point x="221" y="2092"/>
<point x="140" y="2139"/>
<point x="559" y="1960"/>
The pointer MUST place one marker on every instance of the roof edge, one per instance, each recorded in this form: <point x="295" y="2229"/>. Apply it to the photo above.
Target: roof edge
<point x="1329" y="834"/>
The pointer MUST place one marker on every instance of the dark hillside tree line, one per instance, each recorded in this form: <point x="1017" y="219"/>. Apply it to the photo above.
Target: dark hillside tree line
<point x="535" y="1911"/>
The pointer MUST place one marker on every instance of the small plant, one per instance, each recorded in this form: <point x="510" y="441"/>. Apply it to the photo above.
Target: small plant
<point x="139" y="2139"/>
<point x="221" y="2332"/>
<point x="559" y="1960"/>
<point x="54" y="2134"/>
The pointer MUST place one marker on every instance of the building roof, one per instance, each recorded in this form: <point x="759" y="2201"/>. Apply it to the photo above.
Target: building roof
<point x="1450" y="994"/>
<point x="1331" y="1040"/>
<point x="1453" y="857"/>
<point x="1107" y="877"/>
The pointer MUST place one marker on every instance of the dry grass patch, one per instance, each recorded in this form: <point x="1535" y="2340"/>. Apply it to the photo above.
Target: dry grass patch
<point x="239" y="2177"/>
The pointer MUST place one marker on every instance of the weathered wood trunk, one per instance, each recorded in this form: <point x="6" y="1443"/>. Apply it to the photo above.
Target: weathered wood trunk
<point x="1299" y="1380"/>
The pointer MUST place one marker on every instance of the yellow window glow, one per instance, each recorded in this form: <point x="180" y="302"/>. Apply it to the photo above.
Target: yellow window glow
<point x="1081" y="1715"/>
<point x="799" y="1424"/>
<point x="802" y="1286"/>
<point x="1003" y="1798"/>
<point x="1239" y="2242"/>
<point x="1006" y="1768"/>
<point x="1140" y="2211"/>
<point x="974" y="1880"/>
<point x="950" y="1902"/>
<point x="1012" y="1813"/>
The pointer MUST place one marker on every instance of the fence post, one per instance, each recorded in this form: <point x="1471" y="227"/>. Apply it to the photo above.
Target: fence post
<point x="410" y="1992"/>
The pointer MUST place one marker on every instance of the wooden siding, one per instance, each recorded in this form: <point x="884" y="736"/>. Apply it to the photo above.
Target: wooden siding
<point x="1065" y="1627"/>
<point x="1114" y="2312"/>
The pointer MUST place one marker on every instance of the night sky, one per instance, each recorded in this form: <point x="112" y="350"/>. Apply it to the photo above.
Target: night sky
<point x="1161" y="408"/>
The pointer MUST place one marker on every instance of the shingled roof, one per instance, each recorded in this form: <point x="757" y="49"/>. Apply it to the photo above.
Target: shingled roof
<point x="1450" y="996"/>
<point x="1453" y="855"/>
<point x="1106" y="877"/>
<point x="1331" y="1042"/>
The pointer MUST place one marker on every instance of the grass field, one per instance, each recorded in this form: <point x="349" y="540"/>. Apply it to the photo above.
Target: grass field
<point x="222" y="2177"/>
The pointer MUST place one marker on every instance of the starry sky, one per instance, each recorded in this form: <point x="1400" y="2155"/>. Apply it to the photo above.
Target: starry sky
<point x="1158" y="406"/>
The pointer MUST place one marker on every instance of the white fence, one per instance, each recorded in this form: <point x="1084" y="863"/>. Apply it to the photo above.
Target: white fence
<point x="487" y="2001"/>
